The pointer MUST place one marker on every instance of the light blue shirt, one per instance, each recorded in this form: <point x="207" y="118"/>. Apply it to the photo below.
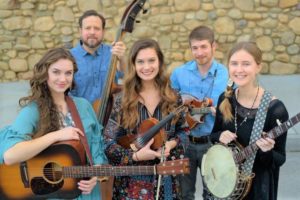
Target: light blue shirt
<point x="27" y="121"/>
<point x="187" y="80"/>
<point x="92" y="71"/>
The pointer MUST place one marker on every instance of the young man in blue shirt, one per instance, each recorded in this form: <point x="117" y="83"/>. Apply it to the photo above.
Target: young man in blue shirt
<point x="203" y="77"/>
<point x="93" y="57"/>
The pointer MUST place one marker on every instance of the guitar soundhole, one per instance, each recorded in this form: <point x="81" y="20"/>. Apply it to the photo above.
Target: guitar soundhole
<point x="51" y="182"/>
<point x="53" y="172"/>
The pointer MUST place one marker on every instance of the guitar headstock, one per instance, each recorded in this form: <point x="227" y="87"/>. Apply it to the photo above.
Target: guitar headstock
<point x="180" y="166"/>
<point x="130" y="14"/>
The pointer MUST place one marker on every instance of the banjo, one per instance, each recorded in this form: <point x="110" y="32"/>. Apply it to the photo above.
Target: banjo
<point x="221" y="165"/>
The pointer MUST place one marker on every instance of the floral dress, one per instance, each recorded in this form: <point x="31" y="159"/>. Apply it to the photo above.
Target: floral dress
<point x="141" y="186"/>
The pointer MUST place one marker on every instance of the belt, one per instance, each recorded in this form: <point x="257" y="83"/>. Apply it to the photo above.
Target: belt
<point x="199" y="140"/>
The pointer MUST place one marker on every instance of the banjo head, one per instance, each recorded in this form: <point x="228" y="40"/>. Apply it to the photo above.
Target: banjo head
<point x="219" y="171"/>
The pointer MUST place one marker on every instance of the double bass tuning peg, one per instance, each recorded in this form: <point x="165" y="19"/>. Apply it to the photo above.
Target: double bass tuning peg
<point x="144" y="12"/>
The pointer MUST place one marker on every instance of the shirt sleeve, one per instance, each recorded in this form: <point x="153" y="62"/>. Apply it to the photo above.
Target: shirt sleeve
<point x="20" y="130"/>
<point x="174" y="80"/>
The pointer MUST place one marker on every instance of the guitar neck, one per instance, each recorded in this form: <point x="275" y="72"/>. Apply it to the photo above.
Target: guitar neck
<point x="108" y="83"/>
<point x="107" y="89"/>
<point x="90" y="171"/>
<point x="274" y="133"/>
<point x="204" y="110"/>
<point x="173" y="167"/>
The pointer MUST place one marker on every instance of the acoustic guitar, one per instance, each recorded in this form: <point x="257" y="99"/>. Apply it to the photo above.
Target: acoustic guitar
<point x="54" y="173"/>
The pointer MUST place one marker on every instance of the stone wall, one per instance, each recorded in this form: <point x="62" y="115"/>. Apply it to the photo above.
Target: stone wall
<point x="29" y="27"/>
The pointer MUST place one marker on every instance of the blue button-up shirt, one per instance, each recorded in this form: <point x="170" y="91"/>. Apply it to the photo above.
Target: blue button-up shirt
<point x="188" y="80"/>
<point x="92" y="71"/>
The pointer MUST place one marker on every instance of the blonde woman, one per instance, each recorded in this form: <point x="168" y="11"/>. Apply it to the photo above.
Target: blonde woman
<point x="235" y="116"/>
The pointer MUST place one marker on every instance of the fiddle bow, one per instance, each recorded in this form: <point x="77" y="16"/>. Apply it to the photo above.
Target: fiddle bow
<point x="103" y="108"/>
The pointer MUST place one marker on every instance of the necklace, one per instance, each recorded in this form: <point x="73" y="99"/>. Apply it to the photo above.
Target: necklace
<point x="247" y="115"/>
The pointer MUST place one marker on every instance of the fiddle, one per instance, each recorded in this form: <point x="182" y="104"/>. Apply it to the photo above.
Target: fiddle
<point x="148" y="129"/>
<point x="197" y="111"/>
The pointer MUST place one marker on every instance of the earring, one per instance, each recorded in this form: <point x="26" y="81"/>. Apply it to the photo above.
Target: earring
<point x="230" y="83"/>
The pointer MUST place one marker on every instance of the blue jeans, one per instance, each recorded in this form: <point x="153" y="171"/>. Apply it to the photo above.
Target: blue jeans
<point x="187" y="182"/>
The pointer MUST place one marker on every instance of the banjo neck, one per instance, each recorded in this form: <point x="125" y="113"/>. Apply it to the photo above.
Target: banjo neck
<point x="274" y="133"/>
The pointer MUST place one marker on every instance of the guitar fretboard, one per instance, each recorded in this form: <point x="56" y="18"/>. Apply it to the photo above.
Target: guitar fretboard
<point x="173" y="167"/>
<point x="204" y="110"/>
<point x="274" y="133"/>
<point x="89" y="171"/>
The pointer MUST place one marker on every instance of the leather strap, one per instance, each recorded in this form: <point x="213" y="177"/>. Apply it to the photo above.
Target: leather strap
<point x="78" y="124"/>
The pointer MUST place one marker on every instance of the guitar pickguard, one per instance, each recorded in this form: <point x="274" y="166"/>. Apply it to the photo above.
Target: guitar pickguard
<point x="41" y="187"/>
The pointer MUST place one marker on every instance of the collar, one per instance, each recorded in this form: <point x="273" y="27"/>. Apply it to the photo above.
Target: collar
<point x="192" y="66"/>
<point x="83" y="52"/>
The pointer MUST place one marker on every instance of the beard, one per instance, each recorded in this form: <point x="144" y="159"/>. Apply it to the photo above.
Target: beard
<point x="203" y="61"/>
<point x="91" y="43"/>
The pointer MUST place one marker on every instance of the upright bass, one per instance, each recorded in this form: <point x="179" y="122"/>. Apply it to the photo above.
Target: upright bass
<point x="103" y="107"/>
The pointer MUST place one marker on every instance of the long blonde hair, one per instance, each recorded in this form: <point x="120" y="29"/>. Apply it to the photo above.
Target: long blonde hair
<point x="253" y="50"/>
<point x="40" y="93"/>
<point x="133" y="86"/>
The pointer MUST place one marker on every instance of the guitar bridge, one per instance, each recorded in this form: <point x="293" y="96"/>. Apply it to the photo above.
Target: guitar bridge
<point x="24" y="174"/>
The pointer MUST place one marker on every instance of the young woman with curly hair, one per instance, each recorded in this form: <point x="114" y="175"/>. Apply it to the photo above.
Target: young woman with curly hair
<point x="45" y="118"/>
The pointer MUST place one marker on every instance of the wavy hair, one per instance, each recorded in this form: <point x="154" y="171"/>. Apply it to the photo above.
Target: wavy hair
<point x="49" y="119"/>
<point x="133" y="85"/>
<point x="255" y="52"/>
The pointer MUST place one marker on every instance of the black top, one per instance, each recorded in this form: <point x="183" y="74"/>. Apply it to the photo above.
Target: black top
<point x="266" y="164"/>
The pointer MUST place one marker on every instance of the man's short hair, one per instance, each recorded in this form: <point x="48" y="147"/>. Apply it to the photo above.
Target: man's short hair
<point x="89" y="13"/>
<point x="202" y="33"/>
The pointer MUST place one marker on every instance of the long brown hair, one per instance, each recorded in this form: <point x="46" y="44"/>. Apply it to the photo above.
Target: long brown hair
<point x="133" y="85"/>
<point x="40" y="93"/>
<point x="253" y="50"/>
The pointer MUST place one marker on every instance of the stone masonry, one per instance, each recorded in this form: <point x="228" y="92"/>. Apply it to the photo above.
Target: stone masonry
<point x="28" y="28"/>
